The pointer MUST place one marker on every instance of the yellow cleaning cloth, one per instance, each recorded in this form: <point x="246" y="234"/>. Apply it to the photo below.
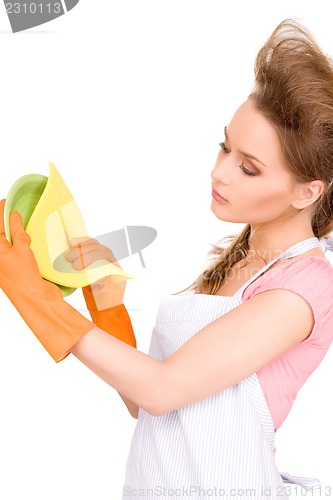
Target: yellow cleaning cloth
<point x="55" y="221"/>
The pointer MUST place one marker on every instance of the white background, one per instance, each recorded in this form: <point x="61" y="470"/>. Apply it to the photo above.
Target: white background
<point x="129" y="99"/>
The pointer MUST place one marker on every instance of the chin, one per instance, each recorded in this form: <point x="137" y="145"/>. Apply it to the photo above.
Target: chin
<point x="224" y="218"/>
<point x="218" y="212"/>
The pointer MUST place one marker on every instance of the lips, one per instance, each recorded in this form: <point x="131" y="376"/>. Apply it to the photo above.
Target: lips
<point x="217" y="195"/>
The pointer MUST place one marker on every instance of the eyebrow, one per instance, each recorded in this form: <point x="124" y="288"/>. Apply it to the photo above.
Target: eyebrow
<point x="248" y="155"/>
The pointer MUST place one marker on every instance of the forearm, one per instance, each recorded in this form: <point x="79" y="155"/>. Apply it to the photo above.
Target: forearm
<point x="113" y="320"/>
<point x="135" y="375"/>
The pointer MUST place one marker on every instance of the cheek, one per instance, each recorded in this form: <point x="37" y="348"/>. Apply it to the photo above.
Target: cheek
<point x="262" y="191"/>
<point x="266" y="202"/>
<point x="266" y="197"/>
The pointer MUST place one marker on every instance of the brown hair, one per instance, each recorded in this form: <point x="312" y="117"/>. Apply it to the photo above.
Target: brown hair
<point x="294" y="91"/>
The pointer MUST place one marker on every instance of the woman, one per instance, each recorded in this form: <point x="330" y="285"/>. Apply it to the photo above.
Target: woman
<point x="227" y="358"/>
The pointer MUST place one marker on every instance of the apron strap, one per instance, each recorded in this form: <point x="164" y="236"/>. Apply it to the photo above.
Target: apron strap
<point x="307" y="483"/>
<point x="293" y="251"/>
<point x="326" y="244"/>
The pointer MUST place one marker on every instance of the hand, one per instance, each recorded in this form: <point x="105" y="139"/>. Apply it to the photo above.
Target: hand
<point x="103" y="298"/>
<point x="56" y="324"/>
<point x="85" y="251"/>
<point x="102" y="294"/>
<point x="18" y="266"/>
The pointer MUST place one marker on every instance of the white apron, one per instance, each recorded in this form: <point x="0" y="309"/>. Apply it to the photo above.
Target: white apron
<point x="220" y="447"/>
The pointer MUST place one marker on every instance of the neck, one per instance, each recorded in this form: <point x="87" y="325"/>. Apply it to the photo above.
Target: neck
<point x="270" y="241"/>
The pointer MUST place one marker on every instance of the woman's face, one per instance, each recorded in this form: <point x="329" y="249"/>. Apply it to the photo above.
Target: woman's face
<point x="251" y="172"/>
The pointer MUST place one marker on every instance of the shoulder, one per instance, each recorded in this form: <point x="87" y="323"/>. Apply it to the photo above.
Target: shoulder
<point x="300" y="271"/>
<point x="311" y="278"/>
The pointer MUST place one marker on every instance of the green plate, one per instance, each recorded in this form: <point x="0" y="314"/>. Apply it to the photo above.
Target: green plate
<point x="23" y="196"/>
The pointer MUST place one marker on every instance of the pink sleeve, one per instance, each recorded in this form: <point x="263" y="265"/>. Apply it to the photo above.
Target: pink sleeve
<point x="312" y="278"/>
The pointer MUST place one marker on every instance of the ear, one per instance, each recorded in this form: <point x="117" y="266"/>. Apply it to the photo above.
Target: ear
<point x="307" y="193"/>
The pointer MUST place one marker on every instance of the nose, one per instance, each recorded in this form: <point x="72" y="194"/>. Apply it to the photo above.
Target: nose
<point x="221" y="172"/>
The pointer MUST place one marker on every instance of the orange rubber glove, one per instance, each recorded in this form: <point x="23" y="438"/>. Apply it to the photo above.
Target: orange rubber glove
<point x="103" y="298"/>
<point x="56" y="324"/>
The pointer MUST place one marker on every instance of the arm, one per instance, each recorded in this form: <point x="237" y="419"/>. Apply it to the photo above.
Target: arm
<point x="114" y="320"/>
<point x="220" y="355"/>
<point x="56" y="324"/>
<point x="104" y="298"/>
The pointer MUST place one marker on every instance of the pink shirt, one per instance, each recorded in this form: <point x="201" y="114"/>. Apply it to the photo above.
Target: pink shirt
<point x="311" y="277"/>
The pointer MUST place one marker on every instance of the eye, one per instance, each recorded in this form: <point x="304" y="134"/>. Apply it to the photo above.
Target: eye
<point x="245" y="170"/>
<point x="241" y="165"/>
<point x="224" y="147"/>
